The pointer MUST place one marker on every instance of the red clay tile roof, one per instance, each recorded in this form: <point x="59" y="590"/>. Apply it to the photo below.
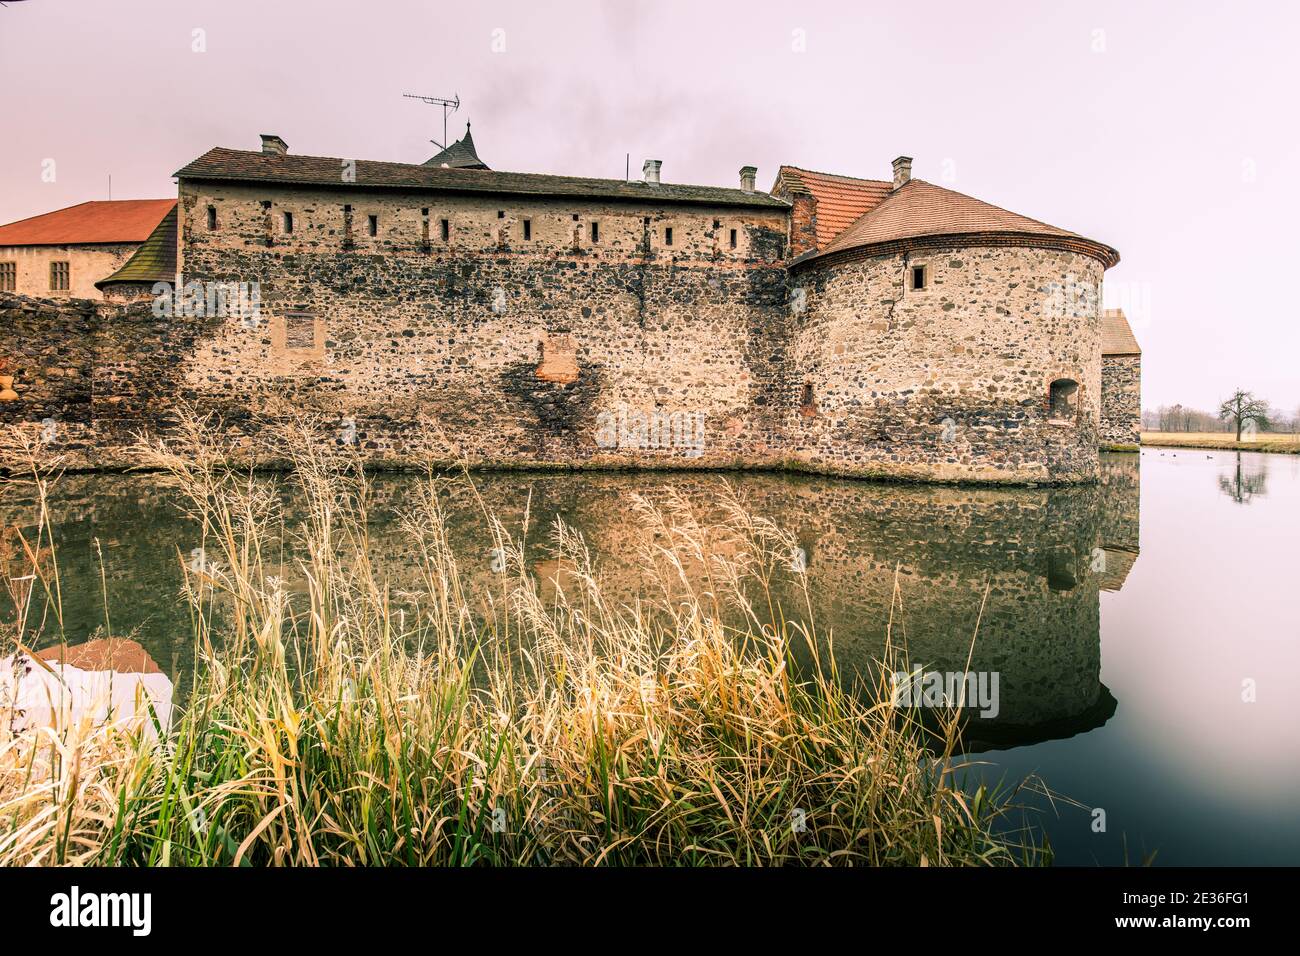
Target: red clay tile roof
<point x="234" y="165"/>
<point x="918" y="210"/>
<point x="111" y="220"/>
<point x="841" y="200"/>
<point x="1117" y="337"/>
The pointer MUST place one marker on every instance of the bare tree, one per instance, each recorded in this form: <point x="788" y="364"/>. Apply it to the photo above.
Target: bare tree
<point x="1244" y="407"/>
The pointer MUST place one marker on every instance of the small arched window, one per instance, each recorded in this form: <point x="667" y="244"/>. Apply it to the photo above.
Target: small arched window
<point x="1063" y="400"/>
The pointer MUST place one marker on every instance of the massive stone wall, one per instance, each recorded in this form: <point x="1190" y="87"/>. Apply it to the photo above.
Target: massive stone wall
<point x="614" y="347"/>
<point x="1121" y="399"/>
<point x="513" y="331"/>
<point x="951" y="382"/>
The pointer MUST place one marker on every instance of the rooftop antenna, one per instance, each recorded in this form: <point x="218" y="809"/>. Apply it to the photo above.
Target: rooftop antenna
<point x="448" y="107"/>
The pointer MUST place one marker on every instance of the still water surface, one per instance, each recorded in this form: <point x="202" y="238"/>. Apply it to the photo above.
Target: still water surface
<point x="1145" y="631"/>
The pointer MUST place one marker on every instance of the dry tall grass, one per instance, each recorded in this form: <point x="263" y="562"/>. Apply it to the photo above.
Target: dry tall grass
<point x="334" y="724"/>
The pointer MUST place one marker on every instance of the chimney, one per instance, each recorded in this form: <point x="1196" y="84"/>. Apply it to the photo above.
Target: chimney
<point x="747" y="176"/>
<point x="902" y="170"/>
<point x="274" y="145"/>
<point x="651" y="170"/>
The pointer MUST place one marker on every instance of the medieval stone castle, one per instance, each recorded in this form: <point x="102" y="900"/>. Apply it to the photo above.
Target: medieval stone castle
<point x="448" y="312"/>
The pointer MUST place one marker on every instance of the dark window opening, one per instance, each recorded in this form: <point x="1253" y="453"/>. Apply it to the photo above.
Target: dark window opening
<point x="1062" y="399"/>
<point x="424" y="211"/>
<point x="575" y="217"/>
<point x="733" y="239"/>
<point x="595" y="232"/>
<point x="501" y="214"/>
<point x="1061" y="571"/>
<point x="807" y="398"/>
<point x="372" y="225"/>
<point x="288" y="222"/>
<point x="528" y="229"/>
<point x="60" y="276"/>
<point x="445" y="226"/>
<point x="212" y="217"/>
<point x="668" y="235"/>
<point x="919" y="278"/>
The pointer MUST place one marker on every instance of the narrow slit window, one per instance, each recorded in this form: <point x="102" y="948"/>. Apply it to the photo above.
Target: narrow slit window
<point x="668" y="235"/>
<point x="372" y="225"/>
<point x="60" y="276"/>
<point x="595" y="232"/>
<point x="528" y="230"/>
<point x="732" y="239"/>
<point x="212" y="218"/>
<point x="287" y="222"/>
<point x="444" y="225"/>
<point x="920" y="278"/>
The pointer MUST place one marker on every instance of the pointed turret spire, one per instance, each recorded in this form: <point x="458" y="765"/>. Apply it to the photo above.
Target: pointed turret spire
<point x="459" y="155"/>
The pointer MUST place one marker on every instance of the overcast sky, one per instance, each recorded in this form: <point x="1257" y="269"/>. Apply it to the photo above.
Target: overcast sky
<point x="1167" y="130"/>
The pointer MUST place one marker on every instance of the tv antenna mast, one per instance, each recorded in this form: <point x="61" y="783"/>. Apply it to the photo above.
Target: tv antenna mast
<point x="448" y="107"/>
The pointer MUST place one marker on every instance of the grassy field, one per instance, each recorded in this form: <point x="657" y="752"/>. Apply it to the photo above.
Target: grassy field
<point x="1224" y="441"/>
<point x="335" y="726"/>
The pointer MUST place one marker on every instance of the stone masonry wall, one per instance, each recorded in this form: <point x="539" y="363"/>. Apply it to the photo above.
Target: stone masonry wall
<point x="950" y="382"/>
<point x="616" y="347"/>
<point x="546" y="332"/>
<point x="1121" y="399"/>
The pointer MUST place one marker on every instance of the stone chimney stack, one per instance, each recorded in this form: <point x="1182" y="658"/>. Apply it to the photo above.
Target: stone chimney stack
<point x="747" y="176"/>
<point x="274" y="145"/>
<point x="650" y="169"/>
<point x="902" y="171"/>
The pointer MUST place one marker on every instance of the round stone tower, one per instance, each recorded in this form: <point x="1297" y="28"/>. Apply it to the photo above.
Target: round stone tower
<point x="940" y="338"/>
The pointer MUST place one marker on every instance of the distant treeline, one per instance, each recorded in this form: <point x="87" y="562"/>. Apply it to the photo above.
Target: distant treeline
<point x="1180" y="418"/>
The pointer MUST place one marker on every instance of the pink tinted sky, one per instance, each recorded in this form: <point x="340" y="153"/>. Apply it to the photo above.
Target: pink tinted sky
<point x="1165" y="129"/>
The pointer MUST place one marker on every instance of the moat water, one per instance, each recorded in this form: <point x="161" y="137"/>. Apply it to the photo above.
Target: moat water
<point x="1144" y="632"/>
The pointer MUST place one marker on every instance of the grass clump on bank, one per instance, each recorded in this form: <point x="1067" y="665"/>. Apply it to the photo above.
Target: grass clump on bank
<point x="472" y="716"/>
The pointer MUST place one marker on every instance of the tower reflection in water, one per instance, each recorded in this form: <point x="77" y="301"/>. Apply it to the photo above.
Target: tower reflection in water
<point x="1018" y="570"/>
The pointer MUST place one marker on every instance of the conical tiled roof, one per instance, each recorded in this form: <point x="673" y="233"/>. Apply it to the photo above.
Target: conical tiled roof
<point x="154" y="261"/>
<point x="918" y="210"/>
<point x="459" y="155"/>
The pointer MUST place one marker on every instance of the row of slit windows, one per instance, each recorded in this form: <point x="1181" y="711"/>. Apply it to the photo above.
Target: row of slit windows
<point x="444" y="225"/>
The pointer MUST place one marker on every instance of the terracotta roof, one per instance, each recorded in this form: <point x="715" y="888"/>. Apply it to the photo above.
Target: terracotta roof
<point x="233" y="165"/>
<point x="459" y="155"/>
<point x="919" y="210"/>
<point x="1116" y="336"/>
<point x="111" y="220"/>
<point x="154" y="261"/>
<point x="840" y="199"/>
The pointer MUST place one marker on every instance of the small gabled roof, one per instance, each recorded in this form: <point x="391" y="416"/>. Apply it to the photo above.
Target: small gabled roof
<point x="233" y="165"/>
<point x="1117" y="336"/>
<point x="154" y="261"/>
<point x="841" y="200"/>
<point x="459" y="155"/>
<point x="88" y="223"/>
<point x="919" y="210"/>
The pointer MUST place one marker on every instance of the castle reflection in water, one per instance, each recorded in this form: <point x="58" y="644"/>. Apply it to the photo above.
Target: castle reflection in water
<point x="1027" y="565"/>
